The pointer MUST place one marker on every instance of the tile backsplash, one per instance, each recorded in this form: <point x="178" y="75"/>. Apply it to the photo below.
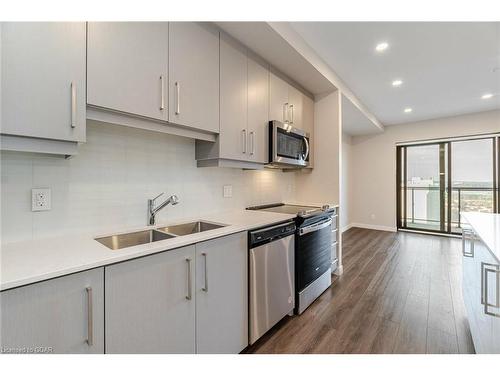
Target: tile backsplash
<point x="106" y="186"/>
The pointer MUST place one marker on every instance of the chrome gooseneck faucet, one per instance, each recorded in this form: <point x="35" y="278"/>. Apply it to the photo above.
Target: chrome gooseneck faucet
<point x="153" y="208"/>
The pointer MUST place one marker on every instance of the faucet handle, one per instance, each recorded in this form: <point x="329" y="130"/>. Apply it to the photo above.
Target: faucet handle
<point x="158" y="196"/>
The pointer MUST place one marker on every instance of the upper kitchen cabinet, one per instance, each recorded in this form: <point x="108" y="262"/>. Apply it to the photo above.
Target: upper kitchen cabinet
<point x="290" y="105"/>
<point x="258" y="109"/>
<point x="127" y="67"/>
<point x="244" y="110"/>
<point x="43" y="85"/>
<point x="194" y="75"/>
<point x="278" y="99"/>
<point x="295" y="107"/>
<point x="233" y="137"/>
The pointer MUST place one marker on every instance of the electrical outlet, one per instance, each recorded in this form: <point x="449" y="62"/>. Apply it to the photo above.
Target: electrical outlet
<point x="40" y="199"/>
<point x="228" y="191"/>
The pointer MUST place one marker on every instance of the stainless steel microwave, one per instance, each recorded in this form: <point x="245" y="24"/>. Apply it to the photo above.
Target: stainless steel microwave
<point x="288" y="146"/>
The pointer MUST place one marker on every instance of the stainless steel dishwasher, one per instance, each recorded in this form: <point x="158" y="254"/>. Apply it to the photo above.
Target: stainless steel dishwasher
<point x="272" y="280"/>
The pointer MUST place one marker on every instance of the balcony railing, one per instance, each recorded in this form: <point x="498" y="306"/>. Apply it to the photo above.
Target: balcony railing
<point x="461" y="201"/>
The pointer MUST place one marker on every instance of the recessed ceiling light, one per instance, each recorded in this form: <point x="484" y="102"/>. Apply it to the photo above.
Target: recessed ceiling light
<point x="408" y="110"/>
<point x="487" y="96"/>
<point x="397" y="83"/>
<point x="381" y="46"/>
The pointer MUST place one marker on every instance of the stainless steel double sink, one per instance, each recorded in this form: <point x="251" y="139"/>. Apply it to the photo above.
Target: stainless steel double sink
<point x="121" y="241"/>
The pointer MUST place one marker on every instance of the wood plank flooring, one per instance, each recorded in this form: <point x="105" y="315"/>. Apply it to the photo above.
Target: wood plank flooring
<point x="399" y="293"/>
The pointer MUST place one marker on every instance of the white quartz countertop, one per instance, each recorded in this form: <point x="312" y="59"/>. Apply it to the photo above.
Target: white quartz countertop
<point x="27" y="262"/>
<point x="487" y="227"/>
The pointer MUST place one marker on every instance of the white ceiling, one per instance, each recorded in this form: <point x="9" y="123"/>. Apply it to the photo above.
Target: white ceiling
<point x="445" y="67"/>
<point x="263" y="40"/>
<point x="354" y="122"/>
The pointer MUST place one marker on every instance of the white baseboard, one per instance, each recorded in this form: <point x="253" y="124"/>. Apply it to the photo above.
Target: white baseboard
<point x="346" y="228"/>
<point x="375" y="227"/>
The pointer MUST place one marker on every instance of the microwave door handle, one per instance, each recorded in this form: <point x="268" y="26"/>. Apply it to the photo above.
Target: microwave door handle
<point x="307" y="148"/>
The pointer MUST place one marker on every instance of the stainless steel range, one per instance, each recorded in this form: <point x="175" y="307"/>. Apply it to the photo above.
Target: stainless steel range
<point x="314" y="257"/>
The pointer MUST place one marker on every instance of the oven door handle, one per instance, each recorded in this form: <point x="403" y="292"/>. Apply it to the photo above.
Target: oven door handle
<point x="315" y="227"/>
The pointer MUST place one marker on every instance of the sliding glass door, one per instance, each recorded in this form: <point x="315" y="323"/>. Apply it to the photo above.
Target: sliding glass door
<point x="437" y="181"/>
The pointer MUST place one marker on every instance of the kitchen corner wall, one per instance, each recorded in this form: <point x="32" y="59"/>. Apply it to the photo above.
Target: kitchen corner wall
<point x="106" y="186"/>
<point x="321" y="184"/>
<point x="346" y="183"/>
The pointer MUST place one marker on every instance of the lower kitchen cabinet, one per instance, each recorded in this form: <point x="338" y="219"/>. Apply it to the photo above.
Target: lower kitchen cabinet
<point x="188" y="300"/>
<point x="222" y="295"/>
<point x="481" y="284"/>
<point x="150" y="304"/>
<point x="62" y="315"/>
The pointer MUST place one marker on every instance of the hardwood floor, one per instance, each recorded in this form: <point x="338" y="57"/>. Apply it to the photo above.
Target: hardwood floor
<point x="399" y="293"/>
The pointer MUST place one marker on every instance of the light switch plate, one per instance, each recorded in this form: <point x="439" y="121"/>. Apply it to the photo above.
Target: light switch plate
<point x="228" y="191"/>
<point x="40" y="199"/>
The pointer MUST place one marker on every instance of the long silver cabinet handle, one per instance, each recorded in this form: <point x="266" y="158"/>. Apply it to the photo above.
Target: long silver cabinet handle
<point x="205" y="288"/>
<point x="467" y="234"/>
<point x="73" y="104"/>
<point x="90" y="317"/>
<point x="244" y="141"/>
<point x="189" y="286"/>
<point x="291" y="113"/>
<point x="178" y="98"/>
<point x="162" y="93"/>
<point x="484" y="292"/>
<point x="252" y="143"/>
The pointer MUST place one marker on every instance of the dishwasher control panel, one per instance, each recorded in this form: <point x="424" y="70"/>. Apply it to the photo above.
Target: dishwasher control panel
<point x="265" y="235"/>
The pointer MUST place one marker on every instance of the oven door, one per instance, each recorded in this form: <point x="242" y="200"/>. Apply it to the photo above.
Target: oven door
<point x="312" y="252"/>
<point x="288" y="145"/>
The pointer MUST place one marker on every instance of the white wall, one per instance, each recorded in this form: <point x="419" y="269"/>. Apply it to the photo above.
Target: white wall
<point x="373" y="199"/>
<point x="321" y="184"/>
<point x="346" y="182"/>
<point x="106" y="186"/>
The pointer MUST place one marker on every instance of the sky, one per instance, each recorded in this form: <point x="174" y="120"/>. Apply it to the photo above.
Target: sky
<point x="471" y="161"/>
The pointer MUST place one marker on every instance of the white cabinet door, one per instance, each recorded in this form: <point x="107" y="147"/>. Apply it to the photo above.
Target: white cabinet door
<point x="222" y="295"/>
<point x="494" y="285"/>
<point x="43" y="80"/>
<point x="295" y="108"/>
<point x="486" y="298"/>
<point x="127" y="67"/>
<point x="233" y="137"/>
<point x="481" y="287"/>
<point x="471" y="286"/>
<point x="278" y="99"/>
<point x="58" y="316"/>
<point x="194" y="75"/>
<point x="258" y="111"/>
<point x="150" y="306"/>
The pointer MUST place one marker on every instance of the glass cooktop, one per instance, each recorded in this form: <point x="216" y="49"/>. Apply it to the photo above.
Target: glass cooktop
<point x="285" y="208"/>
